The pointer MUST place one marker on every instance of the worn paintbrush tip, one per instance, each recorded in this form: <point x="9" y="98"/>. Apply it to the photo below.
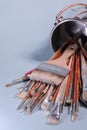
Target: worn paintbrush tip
<point x="73" y="118"/>
<point x="28" y="112"/>
<point x="20" y="105"/>
<point x="47" y="113"/>
<point x="44" y="106"/>
<point x="52" y="120"/>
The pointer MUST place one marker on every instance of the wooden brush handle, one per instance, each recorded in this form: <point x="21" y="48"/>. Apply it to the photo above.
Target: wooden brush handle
<point x="84" y="52"/>
<point x="61" y="61"/>
<point x="30" y="90"/>
<point x="62" y="89"/>
<point x="69" y="81"/>
<point x="49" y="92"/>
<point x="84" y="71"/>
<point x="56" y="93"/>
<point x="59" y="52"/>
<point x="61" y="92"/>
<point x="77" y="78"/>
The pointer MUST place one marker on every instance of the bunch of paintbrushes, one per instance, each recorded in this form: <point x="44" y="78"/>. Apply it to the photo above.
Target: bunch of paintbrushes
<point x="58" y="82"/>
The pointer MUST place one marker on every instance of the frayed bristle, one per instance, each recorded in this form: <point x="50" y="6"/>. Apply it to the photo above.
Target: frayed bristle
<point x="28" y="112"/>
<point x="20" y="105"/>
<point x="44" y="106"/>
<point x="22" y="110"/>
<point x="47" y="113"/>
<point x="52" y="120"/>
<point x="47" y="77"/>
<point x="21" y="95"/>
<point x="73" y="117"/>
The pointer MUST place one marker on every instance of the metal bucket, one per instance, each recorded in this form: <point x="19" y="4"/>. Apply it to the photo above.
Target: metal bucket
<point x="70" y="21"/>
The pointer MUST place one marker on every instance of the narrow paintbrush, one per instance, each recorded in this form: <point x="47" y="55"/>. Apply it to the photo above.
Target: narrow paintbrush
<point x="84" y="52"/>
<point x="51" y="104"/>
<point x="83" y="95"/>
<point x="46" y="100"/>
<point x="67" y="97"/>
<point x="25" y="78"/>
<point x="75" y="103"/>
<point x="20" y="80"/>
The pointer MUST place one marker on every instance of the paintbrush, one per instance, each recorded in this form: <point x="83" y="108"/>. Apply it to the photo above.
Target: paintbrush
<point x="35" y="104"/>
<point x="54" y="116"/>
<point x="84" y="52"/>
<point x="57" y="108"/>
<point x="68" y="91"/>
<point x="54" y="71"/>
<point x="51" y="104"/>
<point x="24" y="78"/>
<point x="83" y="96"/>
<point x="20" y="80"/>
<point x="77" y="78"/>
<point x="60" y="51"/>
<point x="46" y="100"/>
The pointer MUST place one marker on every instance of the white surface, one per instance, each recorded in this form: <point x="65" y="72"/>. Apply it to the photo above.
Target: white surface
<point x="25" y="27"/>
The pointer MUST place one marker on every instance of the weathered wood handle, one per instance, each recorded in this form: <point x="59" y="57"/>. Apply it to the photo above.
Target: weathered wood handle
<point x="61" y="61"/>
<point x="84" y="71"/>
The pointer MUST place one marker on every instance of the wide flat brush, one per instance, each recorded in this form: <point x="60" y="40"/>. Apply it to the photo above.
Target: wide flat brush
<point x="54" y="71"/>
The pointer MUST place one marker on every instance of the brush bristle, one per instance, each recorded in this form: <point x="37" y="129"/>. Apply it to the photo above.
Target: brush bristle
<point x="22" y="110"/>
<point x="21" y="95"/>
<point x="20" y="105"/>
<point x="44" y="105"/>
<point x="46" y="77"/>
<point x="28" y="112"/>
<point x="73" y="118"/>
<point x="52" y="120"/>
<point x="47" y="113"/>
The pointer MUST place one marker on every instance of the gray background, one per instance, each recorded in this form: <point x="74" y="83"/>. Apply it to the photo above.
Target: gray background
<point x="25" y="27"/>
